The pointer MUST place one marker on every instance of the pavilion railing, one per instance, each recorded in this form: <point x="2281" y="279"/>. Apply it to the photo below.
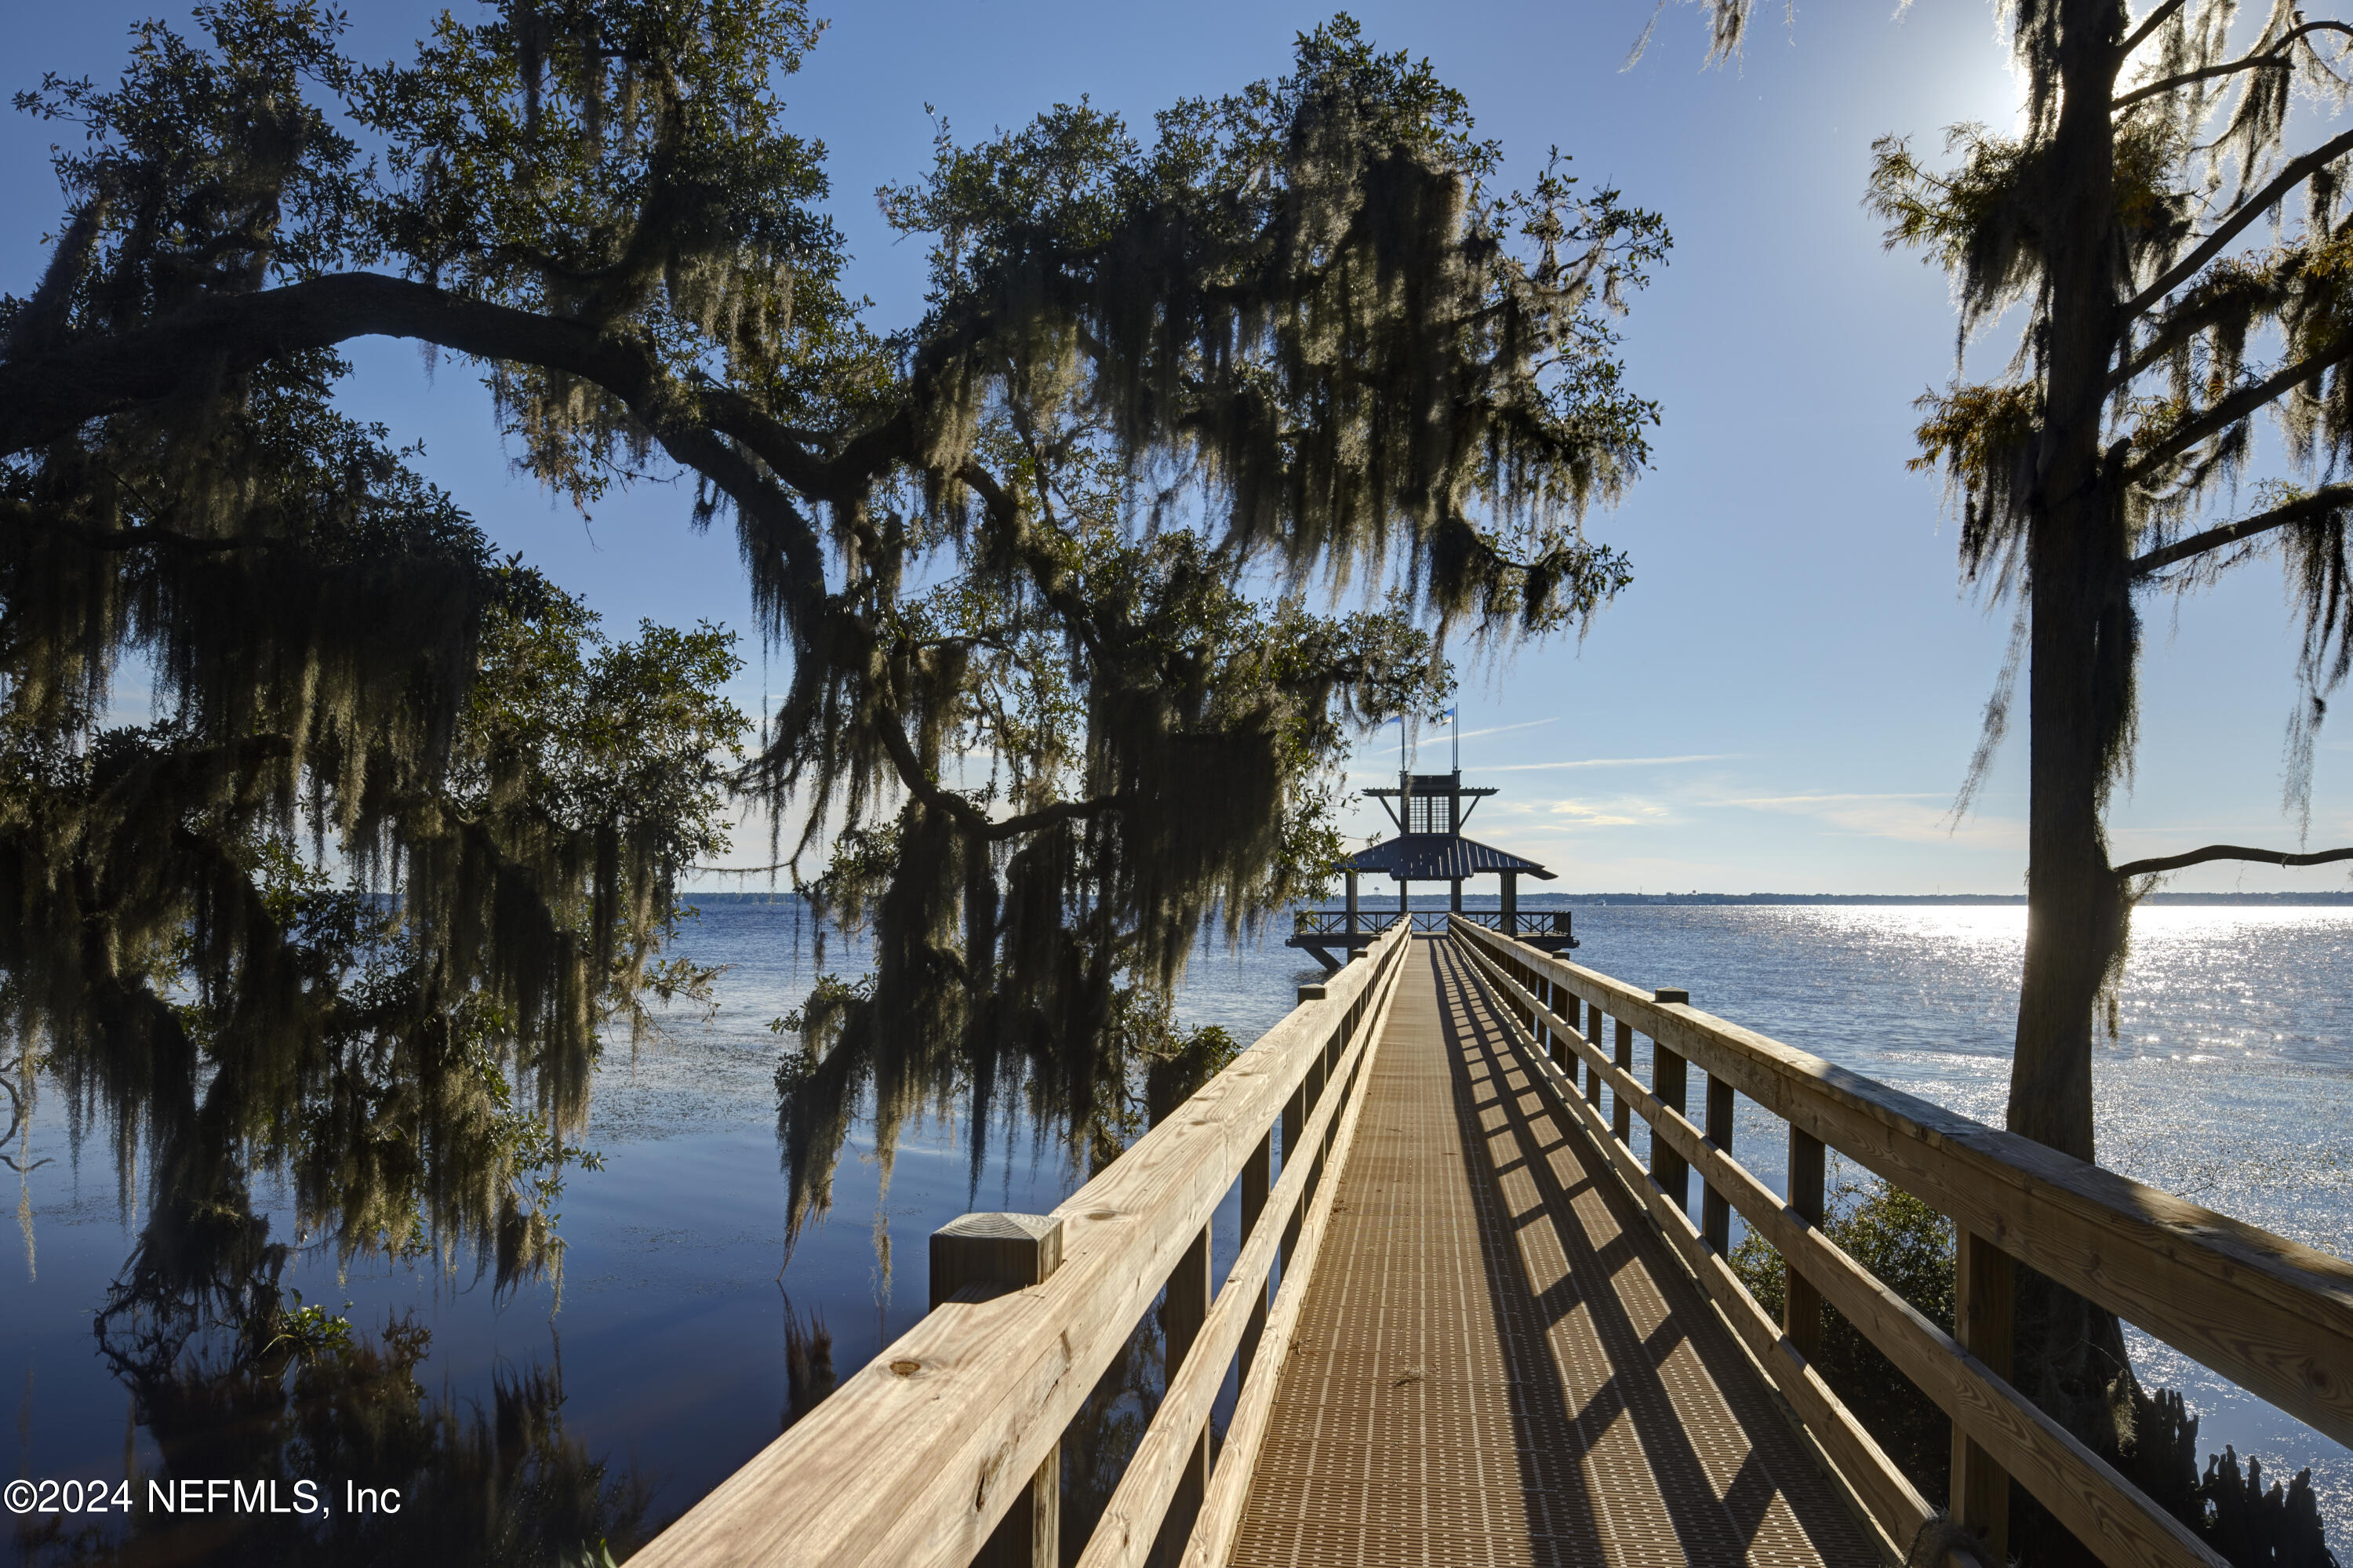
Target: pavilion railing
<point x="2273" y="1316"/>
<point x="1334" y="922"/>
<point x="944" y="1449"/>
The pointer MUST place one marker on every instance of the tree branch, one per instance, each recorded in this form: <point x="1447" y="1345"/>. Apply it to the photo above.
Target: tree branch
<point x="2327" y="499"/>
<point x="2231" y="228"/>
<point x="2238" y="406"/>
<point x="2273" y="57"/>
<point x="975" y="821"/>
<point x="2228" y="851"/>
<point x="46" y="395"/>
<point x="2149" y="24"/>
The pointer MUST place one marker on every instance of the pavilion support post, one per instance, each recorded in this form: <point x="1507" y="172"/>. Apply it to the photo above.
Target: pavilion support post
<point x="1352" y="916"/>
<point x="1000" y="1252"/>
<point x="1455" y="896"/>
<point x="1511" y="904"/>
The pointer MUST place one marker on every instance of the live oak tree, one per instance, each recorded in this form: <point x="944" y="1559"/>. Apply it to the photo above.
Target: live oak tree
<point x="1035" y="568"/>
<point x="395" y="841"/>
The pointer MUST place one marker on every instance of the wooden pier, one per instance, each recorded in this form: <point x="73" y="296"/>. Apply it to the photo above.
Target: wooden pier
<point x="1500" y="1361"/>
<point x="1472" y="1320"/>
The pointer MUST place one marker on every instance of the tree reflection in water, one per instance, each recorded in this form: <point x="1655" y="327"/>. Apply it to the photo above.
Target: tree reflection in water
<point x="496" y="1484"/>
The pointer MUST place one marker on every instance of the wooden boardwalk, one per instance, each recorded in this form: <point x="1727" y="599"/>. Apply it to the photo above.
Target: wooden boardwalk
<point x="1499" y="1360"/>
<point x="1499" y="1338"/>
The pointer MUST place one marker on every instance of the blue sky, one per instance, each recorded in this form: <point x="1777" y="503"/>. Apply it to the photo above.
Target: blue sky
<point x="1788" y="696"/>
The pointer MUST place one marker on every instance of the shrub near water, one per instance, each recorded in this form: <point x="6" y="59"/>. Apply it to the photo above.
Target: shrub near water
<point x="1908" y="1247"/>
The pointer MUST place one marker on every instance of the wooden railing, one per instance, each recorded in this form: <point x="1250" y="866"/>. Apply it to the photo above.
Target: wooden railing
<point x="1334" y="922"/>
<point x="944" y="1449"/>
<point x="2272" y="1316"/>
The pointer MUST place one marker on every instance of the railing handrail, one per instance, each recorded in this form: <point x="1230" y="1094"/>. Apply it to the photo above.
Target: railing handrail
<point x="2047" y="1209"/>
<point x="915" y="1457"/>
<point x="2271" y="1314"/>
<point x="1332" y="922"/>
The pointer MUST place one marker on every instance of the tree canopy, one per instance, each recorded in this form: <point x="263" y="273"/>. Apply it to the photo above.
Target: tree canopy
<point x="1042" y="570"/>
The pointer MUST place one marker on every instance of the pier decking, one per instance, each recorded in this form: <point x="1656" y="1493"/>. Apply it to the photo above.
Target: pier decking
<point x="1496" y="1335"/>
<point x="1499" y="1361"/>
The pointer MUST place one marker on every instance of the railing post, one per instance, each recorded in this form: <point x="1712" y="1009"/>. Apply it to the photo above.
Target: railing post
<point x="1668" y="1168"/>
<point x="1715" y="1208"/>
<point x="1621" y="1115"/>
<point x="1295" y="1118"/>
<point x="1984" y="1287"/>
<point x="1594" y="1023"/>
<point x="1002" y="1253"/>
<point x="1802" y="1304"/>
<point x="1333" y="1049"/>
<point x="1189" y="1289"/>
<point x="1296" y="1111"/>
<point x="1258" y="1179"/>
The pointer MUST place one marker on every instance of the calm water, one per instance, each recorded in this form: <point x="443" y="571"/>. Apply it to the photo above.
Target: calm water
<point x="681" y="1320"/>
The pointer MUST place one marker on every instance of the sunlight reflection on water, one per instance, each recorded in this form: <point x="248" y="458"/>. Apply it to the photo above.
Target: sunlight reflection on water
<point x="2229" y="1081"/>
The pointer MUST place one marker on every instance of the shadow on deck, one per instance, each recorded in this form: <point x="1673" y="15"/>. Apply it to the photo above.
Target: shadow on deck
<point x="1499" y="1359"/>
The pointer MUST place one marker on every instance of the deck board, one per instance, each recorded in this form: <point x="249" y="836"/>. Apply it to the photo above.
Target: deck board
<point x="1499" y="1361"/>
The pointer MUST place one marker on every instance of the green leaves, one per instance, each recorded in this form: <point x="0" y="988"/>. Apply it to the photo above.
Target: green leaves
<point x="1039" y="567"/>
<point x="1303" y="305"/>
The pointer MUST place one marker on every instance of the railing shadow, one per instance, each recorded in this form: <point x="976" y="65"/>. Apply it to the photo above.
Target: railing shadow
<point x="1560" y="1444"/>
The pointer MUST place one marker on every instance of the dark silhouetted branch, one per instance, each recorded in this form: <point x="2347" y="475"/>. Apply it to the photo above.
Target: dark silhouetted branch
<point x="2327" y="499"/>
<point x="2149" y="24"/>
<point x="2228" y="852"/>
<point x="2275" y="58"/>
<point x="2238" y="406"/>
<point x="2231" y="228"/>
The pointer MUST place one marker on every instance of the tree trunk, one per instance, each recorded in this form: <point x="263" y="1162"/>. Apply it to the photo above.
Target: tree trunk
<point x="2069" y="1353"/>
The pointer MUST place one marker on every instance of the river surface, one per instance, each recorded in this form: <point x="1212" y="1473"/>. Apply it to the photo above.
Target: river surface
<point x="683" y="1335"/>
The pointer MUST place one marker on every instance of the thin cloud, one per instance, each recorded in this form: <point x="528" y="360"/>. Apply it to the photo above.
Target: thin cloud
<point x="1612" y="762"/>
<point x="1912" y="815"/>
<point x="1828" y="800"/>
<point x="1439" y="732"/>
<point x="1505" y="729"/>
<point x="1620" y="813"/>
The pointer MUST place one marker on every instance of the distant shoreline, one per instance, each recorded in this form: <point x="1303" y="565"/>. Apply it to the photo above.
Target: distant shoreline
<point x="1378" y="901"/>
<point x="1549" y="900"/>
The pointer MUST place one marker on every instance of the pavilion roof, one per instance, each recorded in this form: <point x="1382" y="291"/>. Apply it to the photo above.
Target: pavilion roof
<point x="1439" y="857"/>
